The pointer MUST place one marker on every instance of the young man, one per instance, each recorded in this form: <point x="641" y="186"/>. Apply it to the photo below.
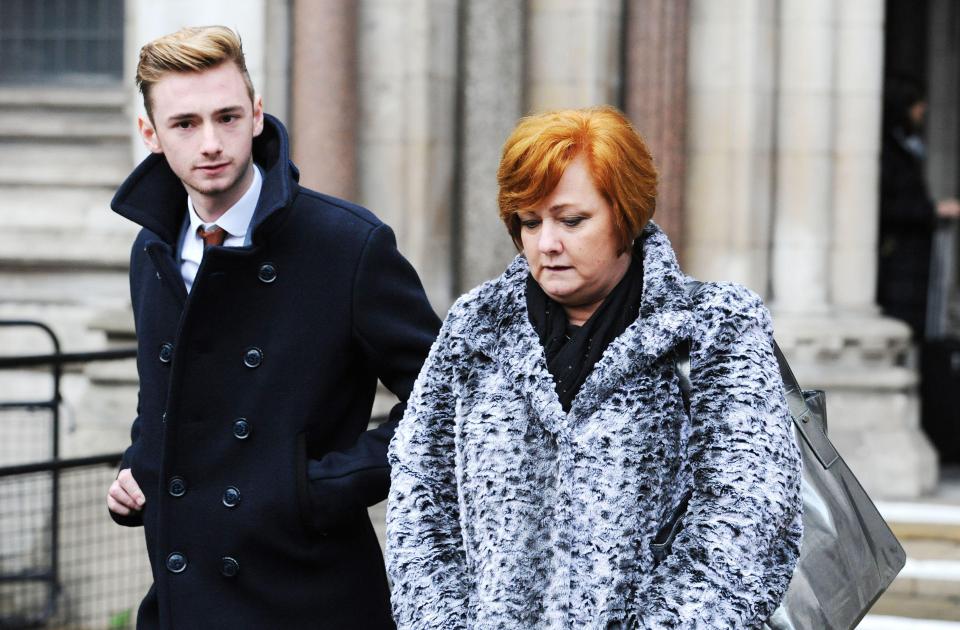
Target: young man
<point x="265" y="313"/>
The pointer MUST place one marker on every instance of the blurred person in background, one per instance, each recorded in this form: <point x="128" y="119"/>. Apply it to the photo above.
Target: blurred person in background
<point x="908" y="214"/>
<point x="549" y="471"/>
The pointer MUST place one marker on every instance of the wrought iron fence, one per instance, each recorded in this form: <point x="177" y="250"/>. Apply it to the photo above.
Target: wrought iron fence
<point x="63" y="562"/>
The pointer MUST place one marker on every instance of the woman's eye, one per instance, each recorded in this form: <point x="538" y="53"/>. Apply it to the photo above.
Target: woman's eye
<point x="572" y="221"/>
<point x="530" y="224"/>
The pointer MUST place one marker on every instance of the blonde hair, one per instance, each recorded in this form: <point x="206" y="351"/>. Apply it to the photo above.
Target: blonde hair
<point x="191" y="49"/>
<point x="542" y="146"/>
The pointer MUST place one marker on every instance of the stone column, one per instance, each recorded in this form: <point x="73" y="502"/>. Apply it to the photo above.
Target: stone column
<point x="492" y="102"/>
<point x="729" y="120"/>
<point x="573" y="53"/>
<point x="407" y="85"/>
<point x="324" y="95"/>
<point x="655" y="97"/>
<point x="804" y="171"/>
<point x="858" y="95"/>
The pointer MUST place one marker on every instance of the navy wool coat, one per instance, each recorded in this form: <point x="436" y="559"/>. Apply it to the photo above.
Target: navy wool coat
<point x="250" y="440"/>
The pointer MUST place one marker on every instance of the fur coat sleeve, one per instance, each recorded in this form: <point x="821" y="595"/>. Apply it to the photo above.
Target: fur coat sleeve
<point x="426" y="559"/>
<point x="733" y="559"/>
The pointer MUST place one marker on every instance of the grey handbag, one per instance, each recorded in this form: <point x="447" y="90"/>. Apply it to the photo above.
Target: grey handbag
<point x="848" y="556"/>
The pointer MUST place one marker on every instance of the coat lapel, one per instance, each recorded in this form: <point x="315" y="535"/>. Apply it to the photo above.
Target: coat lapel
<point x="520" y="353"/>
<point x="664" y="321"/>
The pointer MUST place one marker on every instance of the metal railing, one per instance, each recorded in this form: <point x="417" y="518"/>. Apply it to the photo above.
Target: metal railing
<point x="63" y="562"/>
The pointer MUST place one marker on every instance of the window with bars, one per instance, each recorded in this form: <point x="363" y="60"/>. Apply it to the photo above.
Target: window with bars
<point x="61" y="41"/>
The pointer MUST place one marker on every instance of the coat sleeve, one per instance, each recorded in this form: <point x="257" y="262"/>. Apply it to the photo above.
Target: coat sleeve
<point x="394" y="325"/>
<point x="133" y="519"/>
<point x="732" y="562"/>
<point x="426" y="560"/>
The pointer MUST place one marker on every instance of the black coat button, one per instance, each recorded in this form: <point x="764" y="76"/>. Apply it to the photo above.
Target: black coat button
<point x="166" y="352"/>
<point x="177" y="487"/>
<point x="253" y="357"/>
<point x="241" y="429"/>
<point x="267" y="273"/>
<point x="229" y="567"/>
<point x="176" y="562"/>
<point x="231" y="497"/>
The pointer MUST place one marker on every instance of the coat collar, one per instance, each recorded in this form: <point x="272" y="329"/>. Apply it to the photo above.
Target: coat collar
<point x="153" y="196"/>
<point x="665" y="320"/>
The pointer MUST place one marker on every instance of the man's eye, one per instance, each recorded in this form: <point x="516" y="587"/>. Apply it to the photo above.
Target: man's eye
<point x="228" y="118"/>
<point x="184" y="124"/>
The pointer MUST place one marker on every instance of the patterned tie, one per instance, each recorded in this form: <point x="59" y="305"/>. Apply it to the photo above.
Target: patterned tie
<point x="213" y="236"/>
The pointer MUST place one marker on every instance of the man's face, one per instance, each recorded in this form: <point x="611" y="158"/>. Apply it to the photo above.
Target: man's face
<point x="204" y="124"/>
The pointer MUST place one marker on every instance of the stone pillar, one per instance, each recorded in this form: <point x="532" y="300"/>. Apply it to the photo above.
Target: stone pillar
<point x="655" y="97"/>
<point x="492" y="102"/>
<point x="729" y="121"/>
<point x="407" y="84"/>
<point x="858" y="94"/>
<point x="804" y="171"/>
<point x="324" y="95"/>
<point x="573" y="53"/>
<point x="277" y="83"/>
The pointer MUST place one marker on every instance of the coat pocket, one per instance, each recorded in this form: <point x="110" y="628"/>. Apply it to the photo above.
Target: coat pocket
<point x="662" y="544"/>
<point x="304" y="503"/>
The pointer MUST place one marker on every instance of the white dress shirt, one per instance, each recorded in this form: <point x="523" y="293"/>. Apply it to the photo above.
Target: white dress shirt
<point x="236" y="222"/>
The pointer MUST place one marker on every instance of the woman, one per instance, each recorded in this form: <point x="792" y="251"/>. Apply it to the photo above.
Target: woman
<point x="547" y="443"/>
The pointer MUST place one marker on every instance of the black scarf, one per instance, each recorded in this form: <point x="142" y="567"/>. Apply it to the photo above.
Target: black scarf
<point x="572" y="351"/>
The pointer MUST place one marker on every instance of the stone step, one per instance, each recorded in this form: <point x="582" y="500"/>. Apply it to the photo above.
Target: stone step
<point x="57" y="114"/>
<point x="885" y="622"/>
<point x="73" y="98"/>
<point x="101" y="162"/>
<point x="64" y="125"/>
<point x="937" y="521"/>
<point x="62" y="225"/>
<point x="928" y="587"/>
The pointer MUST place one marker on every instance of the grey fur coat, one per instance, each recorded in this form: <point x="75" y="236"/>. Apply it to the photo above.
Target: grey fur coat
<point x="506" y="512"/>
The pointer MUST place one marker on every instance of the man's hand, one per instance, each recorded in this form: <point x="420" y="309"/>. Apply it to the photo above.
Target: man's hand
<point x="125" y="495"/>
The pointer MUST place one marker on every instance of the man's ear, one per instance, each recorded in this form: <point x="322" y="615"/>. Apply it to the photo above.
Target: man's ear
<point x="257" y="115"/>
<point x="149" y="135"/>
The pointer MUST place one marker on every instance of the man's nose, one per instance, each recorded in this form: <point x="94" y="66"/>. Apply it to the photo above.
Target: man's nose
<point x="211" y="140"/>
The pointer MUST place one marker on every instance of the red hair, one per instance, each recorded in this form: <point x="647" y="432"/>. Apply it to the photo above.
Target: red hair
<point x="542" y="146"/>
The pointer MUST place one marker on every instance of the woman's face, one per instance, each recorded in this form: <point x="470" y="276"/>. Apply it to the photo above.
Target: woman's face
<point x="571" y="243"/>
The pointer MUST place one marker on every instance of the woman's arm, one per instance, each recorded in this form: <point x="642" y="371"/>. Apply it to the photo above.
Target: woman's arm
<point x="733" y="560"/>
<point x="425" y="555"/>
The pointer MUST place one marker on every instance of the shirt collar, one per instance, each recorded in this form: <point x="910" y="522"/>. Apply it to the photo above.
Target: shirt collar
<point x="236" y="220"/>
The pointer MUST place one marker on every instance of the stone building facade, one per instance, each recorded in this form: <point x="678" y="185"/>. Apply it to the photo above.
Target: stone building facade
<point x="763" y="116"/>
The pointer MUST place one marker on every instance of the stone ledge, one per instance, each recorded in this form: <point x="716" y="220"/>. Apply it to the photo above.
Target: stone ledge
<point x="78" y="99"/>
